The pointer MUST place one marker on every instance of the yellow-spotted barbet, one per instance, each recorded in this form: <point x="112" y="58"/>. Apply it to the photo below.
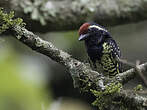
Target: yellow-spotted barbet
<point x="102" y="49"/>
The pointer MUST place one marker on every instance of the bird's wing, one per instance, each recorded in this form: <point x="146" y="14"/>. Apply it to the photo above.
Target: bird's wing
<point x="109" y="60"/>
<point x="111" y="47"/>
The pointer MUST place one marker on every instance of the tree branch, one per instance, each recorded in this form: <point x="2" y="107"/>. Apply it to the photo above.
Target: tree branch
<point x="70" y="14"/>
<point x="84" y="78"/>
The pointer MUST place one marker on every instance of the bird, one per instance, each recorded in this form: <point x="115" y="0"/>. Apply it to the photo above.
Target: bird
<point x="103" y="51"/>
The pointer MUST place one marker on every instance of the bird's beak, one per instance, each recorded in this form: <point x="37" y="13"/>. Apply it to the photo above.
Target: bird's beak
<point x="83" y="37"/>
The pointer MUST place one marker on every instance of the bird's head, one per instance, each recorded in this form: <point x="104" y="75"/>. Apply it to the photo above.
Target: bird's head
<point x="92" y="31"/>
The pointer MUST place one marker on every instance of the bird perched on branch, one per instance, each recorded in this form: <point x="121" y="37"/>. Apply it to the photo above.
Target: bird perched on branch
<point x="102" y="49"/>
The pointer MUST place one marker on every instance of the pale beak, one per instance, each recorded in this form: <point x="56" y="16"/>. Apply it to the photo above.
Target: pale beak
<point x="83" y="37"/>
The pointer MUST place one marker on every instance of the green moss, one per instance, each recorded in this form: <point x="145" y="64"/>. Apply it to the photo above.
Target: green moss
<point x="104" y="98"/>
<point x="138" y="87"/>
<point x="85" y="84"/>
<point x="7" y="21"/>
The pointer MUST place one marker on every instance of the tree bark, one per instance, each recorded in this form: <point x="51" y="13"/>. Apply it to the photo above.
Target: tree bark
<point x="70" y="14"/>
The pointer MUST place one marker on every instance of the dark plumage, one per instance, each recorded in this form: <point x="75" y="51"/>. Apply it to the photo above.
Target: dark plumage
<point x="101" y="48"/>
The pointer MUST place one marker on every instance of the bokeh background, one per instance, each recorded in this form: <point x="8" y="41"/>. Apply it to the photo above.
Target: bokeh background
<point x="32" y="81"/>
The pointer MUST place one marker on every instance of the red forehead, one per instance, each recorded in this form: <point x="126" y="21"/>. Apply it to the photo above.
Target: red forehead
<point x="84" y="28"/>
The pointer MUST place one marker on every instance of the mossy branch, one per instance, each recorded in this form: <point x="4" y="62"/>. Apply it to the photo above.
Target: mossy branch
<point x="70" y="14"/>
<point x="7" y="21"/>
<point x="83" y="76"/>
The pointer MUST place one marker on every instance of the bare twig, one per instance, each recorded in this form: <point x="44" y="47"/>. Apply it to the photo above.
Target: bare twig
<point x="142" y="92"/>
<point x="124" y="61"/>
<point x="140" y="73"/>
<point x="136" y="68"/>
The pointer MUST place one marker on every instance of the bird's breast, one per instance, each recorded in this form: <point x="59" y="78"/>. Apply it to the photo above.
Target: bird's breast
<point x="94" y="52"/>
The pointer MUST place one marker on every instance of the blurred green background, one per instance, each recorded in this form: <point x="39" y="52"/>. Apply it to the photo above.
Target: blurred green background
<point x="31" y="81"/>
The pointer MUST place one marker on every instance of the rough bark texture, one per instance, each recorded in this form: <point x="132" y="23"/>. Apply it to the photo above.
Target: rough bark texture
<point x="70" y="14"/>
<point x="85" y="78"/>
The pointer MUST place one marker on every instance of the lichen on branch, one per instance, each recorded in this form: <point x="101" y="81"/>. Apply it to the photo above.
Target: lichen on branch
<point x="7" y="21"/>
<point x="104" y="98"/>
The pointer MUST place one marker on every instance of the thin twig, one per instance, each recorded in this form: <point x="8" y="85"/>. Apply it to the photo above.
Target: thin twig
<point x="124" y="61"/>
<point x="140" y="73"/>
